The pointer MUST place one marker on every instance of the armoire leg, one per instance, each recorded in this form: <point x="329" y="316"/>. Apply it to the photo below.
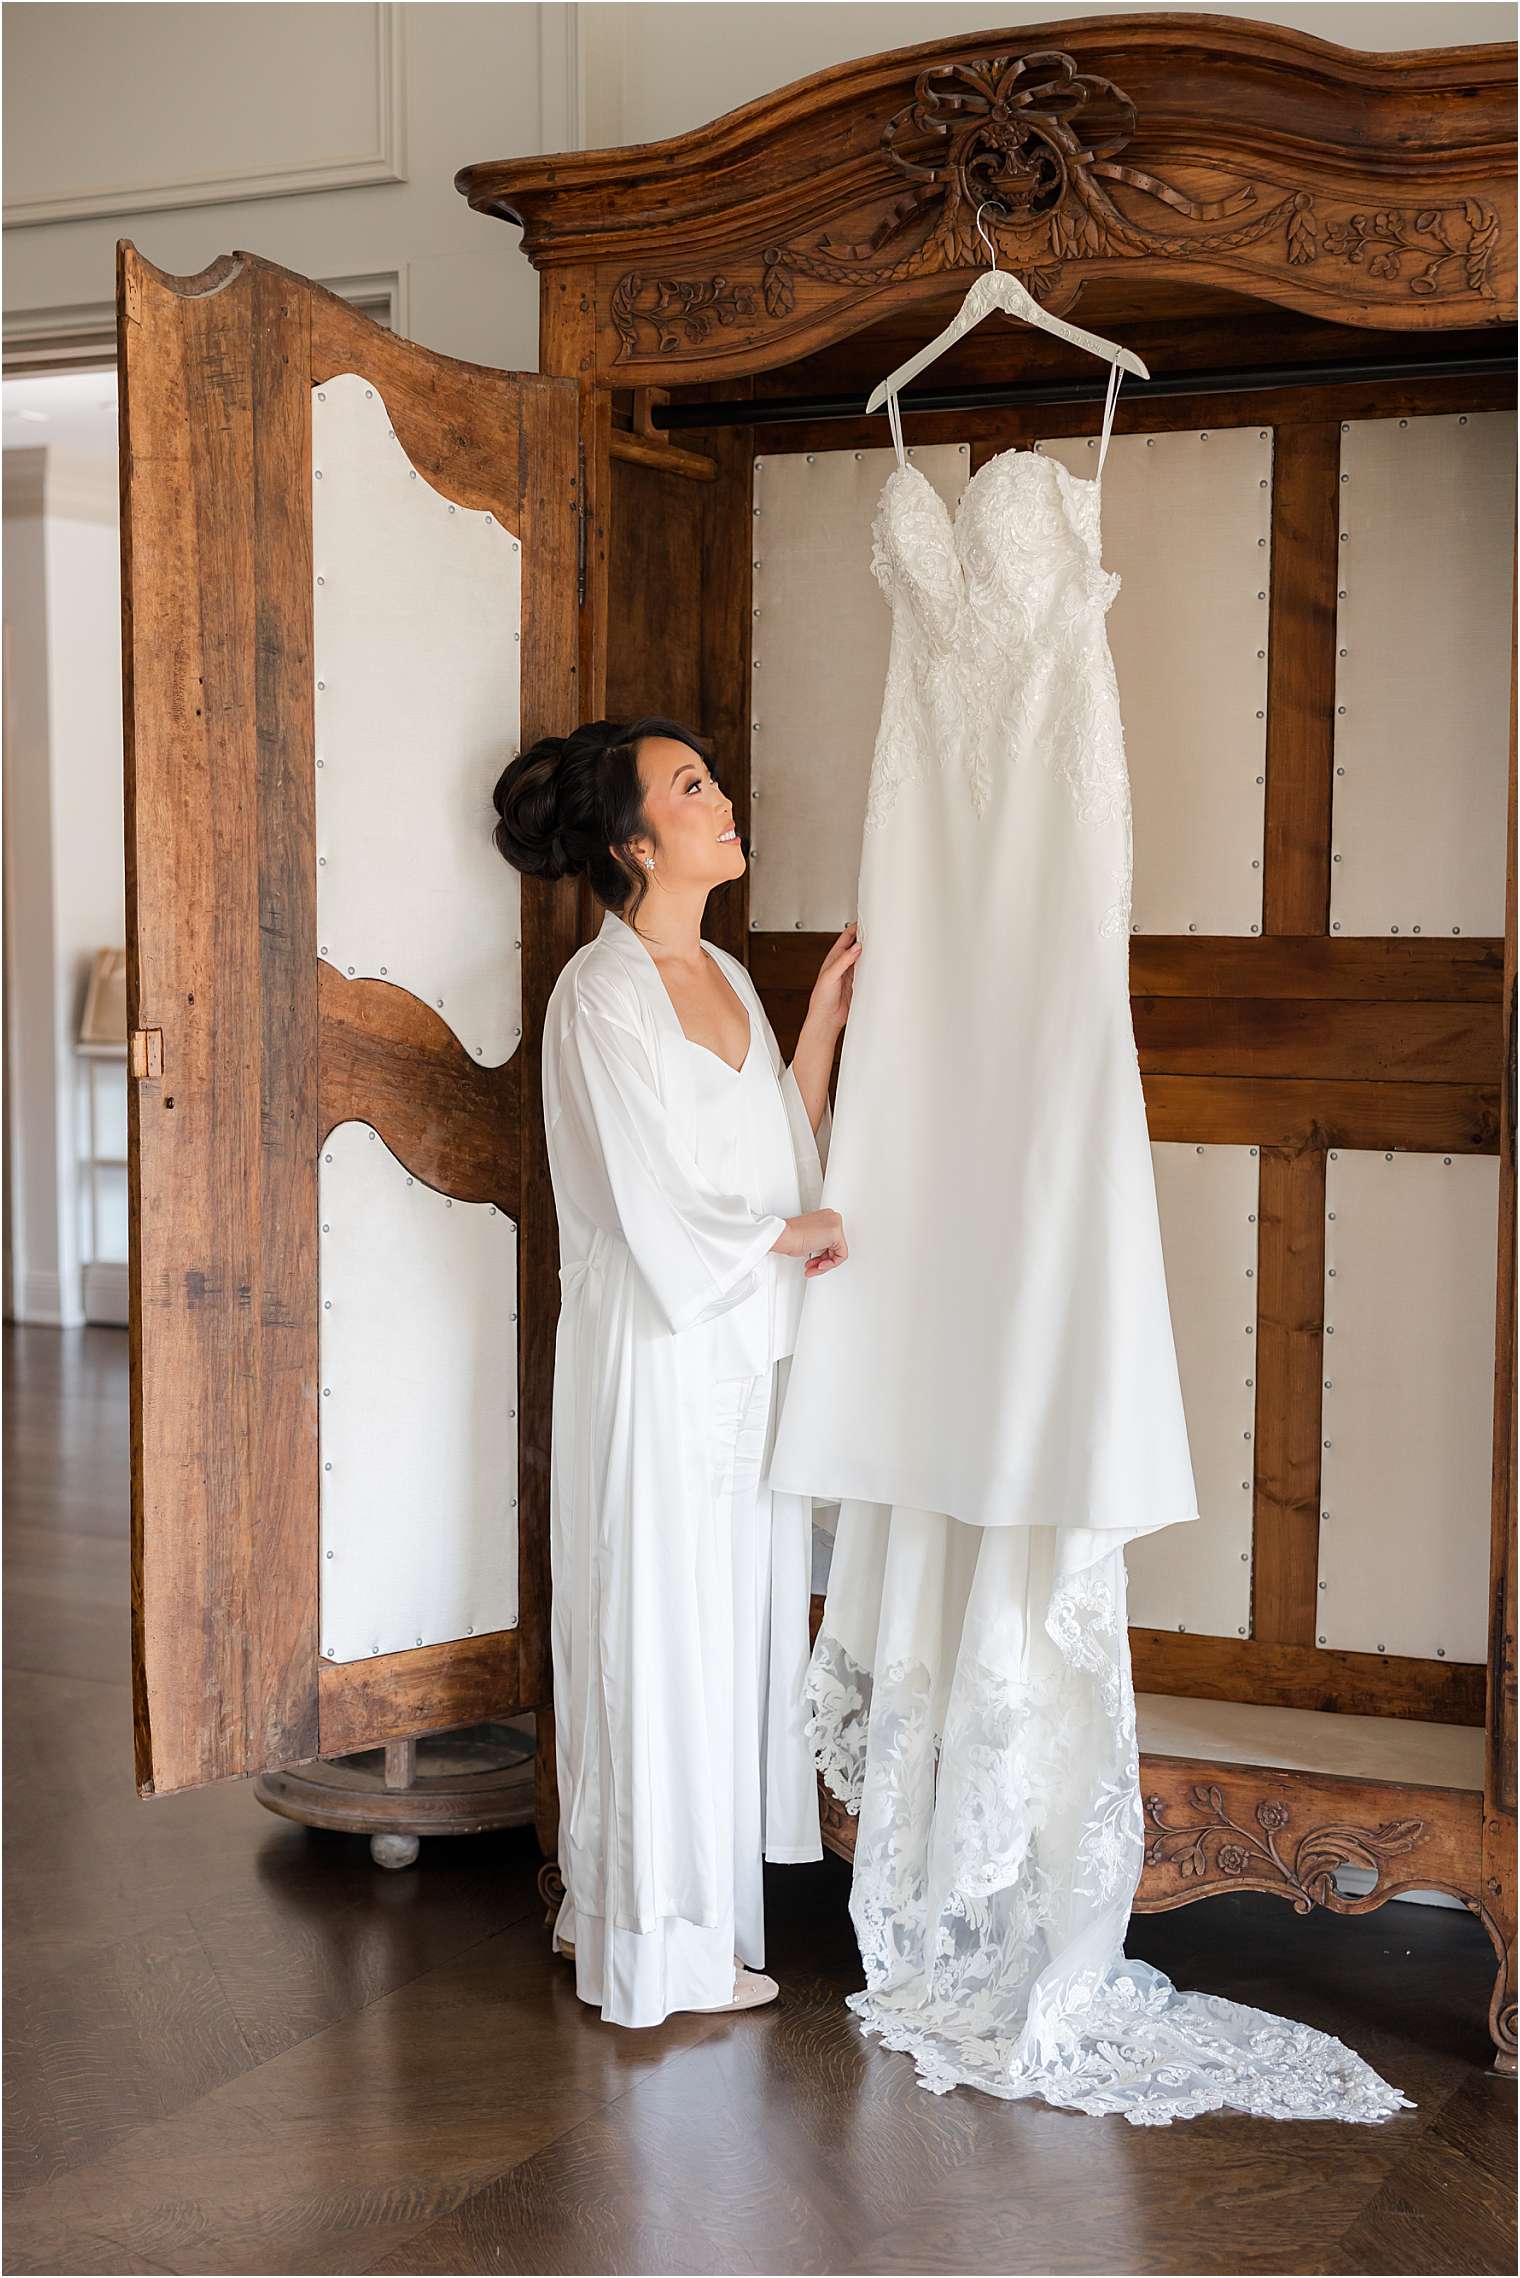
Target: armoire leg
<point x="1501" y="2014"/>
<point x="1498" y="1914"/>
<point x="1502" y="2017"/>
<point x="397" y="1847"/>
<point x="545" y="1785"/>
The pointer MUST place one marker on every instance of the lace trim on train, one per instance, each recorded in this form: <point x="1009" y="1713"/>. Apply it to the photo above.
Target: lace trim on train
<point x="996" y="1862"/>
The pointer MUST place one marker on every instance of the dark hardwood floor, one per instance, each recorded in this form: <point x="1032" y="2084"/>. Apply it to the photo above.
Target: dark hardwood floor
<point x="235" y="2046"/>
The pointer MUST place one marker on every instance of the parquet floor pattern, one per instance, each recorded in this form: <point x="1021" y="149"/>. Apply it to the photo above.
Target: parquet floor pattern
<point x="236" y="2046"/>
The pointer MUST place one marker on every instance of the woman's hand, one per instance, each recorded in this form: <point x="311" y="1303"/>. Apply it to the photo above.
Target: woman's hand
<point x="828" y="1010"/>
<point x="829" y="1004"/>
<point x="818" y="1236"/>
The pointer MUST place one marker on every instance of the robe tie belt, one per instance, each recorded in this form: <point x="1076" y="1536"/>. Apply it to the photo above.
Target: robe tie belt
<point x="573" y="1274"/>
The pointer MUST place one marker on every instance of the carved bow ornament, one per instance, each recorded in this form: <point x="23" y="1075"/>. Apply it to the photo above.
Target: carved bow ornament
<point x="1036" y="143"/>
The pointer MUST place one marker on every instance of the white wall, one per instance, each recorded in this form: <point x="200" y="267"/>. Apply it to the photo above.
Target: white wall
<point x="661" y="67"/>
<point x="137" y="121"/>
<point x="326" y="137"/>
<point x="32" y="1098"/>
<point x="65" y="891"/>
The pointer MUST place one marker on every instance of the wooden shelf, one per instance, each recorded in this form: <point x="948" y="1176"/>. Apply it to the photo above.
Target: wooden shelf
<point x="1379" y="1748"/>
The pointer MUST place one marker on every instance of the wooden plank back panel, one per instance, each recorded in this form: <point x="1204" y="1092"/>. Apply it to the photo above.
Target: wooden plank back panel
<point x="1289" y="1042"/>
<point x="1301" y="680"/>
<point x="1501" y="1701"/>
<point x="1499" y="1866"/>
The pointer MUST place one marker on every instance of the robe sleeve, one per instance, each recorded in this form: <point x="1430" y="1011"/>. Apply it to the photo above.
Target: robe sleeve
<point x="811" y="1148"/>
<point x="696" y="1248"/>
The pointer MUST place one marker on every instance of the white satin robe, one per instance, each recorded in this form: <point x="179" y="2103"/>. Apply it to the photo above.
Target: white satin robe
<point x="667" y="1211"/>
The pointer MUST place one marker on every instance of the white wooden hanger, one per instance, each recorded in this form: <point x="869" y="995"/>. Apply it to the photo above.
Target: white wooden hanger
<point x="998" y="289"/>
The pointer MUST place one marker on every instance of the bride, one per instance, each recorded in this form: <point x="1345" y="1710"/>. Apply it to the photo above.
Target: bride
<point x="686" y="1161"/>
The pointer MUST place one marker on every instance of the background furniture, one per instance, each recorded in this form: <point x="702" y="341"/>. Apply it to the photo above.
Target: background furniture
<point x="101" y="1048"/>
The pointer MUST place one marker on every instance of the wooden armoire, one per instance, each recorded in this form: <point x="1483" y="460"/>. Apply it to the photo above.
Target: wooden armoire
<point x="359" y="574"/>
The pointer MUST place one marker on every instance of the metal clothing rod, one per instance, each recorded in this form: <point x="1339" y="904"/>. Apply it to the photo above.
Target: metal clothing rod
<point x="769" y="411"/>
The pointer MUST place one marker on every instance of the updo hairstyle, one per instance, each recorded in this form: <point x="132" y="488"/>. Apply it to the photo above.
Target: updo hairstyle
<point x="566" y="802"/>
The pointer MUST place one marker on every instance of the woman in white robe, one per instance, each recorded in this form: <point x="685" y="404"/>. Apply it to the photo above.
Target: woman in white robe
<point x="686" y="1163"/>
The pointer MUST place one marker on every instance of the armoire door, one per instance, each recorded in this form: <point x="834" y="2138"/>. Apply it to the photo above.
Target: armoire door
<point x="349" y="596"/>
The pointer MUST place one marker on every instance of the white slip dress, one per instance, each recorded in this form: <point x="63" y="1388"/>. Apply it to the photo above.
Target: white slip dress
<point x="990" y="1385"/>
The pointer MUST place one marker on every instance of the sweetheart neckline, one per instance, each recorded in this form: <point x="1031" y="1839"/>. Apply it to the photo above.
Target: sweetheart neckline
<point x="1015" y="451"/>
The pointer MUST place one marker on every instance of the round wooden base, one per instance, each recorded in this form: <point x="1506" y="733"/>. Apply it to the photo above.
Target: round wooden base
<point x="448" y="1783"/>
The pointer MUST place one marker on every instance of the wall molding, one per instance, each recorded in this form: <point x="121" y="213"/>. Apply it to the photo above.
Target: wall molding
<point x="385" y="162"/>
<point x="82" y="337"/>
<point x="41" y="1298"/>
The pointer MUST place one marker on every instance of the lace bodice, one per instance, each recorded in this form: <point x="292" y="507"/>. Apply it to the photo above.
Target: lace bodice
<point x="1026" y="535"/>
<point x="999" y="647"/>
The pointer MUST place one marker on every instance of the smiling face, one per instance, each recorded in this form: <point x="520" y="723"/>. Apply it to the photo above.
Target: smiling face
<point x="691" y="819"/>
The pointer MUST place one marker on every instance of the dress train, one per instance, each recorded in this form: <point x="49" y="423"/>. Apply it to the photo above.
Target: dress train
<point x="971" y="1699"/>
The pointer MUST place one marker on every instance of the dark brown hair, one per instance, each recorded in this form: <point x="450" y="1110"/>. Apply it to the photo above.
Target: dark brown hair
<point x="567" y="802"/>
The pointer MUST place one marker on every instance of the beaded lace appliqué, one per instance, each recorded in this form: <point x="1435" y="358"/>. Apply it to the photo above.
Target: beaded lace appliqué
<point x="999" y="1847"/>
<point x="999" y="647"/>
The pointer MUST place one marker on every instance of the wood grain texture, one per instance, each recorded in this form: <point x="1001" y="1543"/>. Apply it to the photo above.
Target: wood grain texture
<point x="1310" y="967"/>
<point x="263" y="1049"/>
<point x="654" y="593"/>
<point x="1212" y="1827"/>
<point x="1499" y="1866"/>
<point x="1307" y="1677"/>
<point x="1290" y="1321"/>
<point x="1357" y="187"/>
<point x="391" y="1060"/>
<point x="1156" y="334"/>
<point x="1301" y="680"/>
<point x="1353" y="1040"/>
<point x="463" y="1680"/>
<point x="221" y="957"/>
<point x="724" y="657"/>
<point x="1295" y="1113"/>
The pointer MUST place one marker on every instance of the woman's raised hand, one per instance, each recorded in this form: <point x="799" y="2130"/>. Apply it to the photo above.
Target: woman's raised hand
<point x="818" y="1236"/>
<point x="829" y="1004"/>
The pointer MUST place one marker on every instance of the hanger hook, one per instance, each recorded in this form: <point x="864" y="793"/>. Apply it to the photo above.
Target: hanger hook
<point x="992" y="259"/>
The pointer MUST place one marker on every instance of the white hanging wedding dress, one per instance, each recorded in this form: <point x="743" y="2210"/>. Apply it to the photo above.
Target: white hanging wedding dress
<point x="990" y="1387"/>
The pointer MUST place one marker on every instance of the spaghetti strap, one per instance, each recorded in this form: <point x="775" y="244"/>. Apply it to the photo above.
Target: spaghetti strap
<point x="894" y="421"/>
<point x="1114" y="377"/>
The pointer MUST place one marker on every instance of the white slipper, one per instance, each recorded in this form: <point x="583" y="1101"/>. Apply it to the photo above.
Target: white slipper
<point x="752" y="1989"/>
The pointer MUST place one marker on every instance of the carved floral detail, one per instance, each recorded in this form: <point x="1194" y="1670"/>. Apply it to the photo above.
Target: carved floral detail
<point x="675" y="306"/>
<point x="1433" y="250"/>
<point x="1037" y="142"/>
<point x="1217" y="1846"/>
